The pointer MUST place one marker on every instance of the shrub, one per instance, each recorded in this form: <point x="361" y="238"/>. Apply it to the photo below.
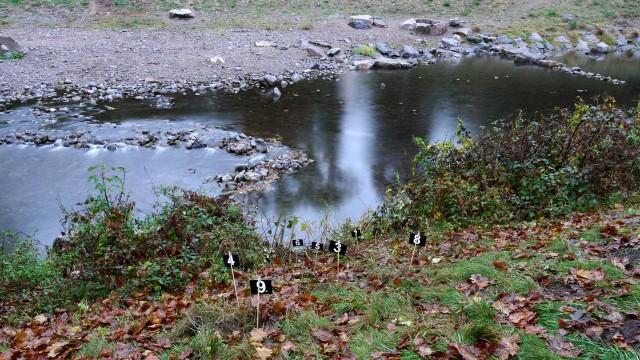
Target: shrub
<point x="107" y="244"/>
<point x="365" y="50"/>
<point x="523" y="169"/>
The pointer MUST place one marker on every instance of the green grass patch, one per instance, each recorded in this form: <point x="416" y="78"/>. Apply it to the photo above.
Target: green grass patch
<point x="365" y="50"/>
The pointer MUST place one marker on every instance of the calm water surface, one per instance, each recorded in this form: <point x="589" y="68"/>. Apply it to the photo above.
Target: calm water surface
<point x="359" y="130"/>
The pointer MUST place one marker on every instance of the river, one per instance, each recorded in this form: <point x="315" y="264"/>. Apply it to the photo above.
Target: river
<point x="358" y="128"/>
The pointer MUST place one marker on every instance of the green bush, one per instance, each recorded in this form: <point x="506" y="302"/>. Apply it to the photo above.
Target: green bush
<point x="523" y="169"/>
<point x="365" y="50"/>
<point x="107" y="244"/>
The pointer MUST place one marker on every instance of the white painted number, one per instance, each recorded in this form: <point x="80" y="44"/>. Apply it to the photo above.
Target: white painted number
<point x="317" y="246"/>
<point x="230" y="260"/>
<point x="262" y="287"/>
<point x="416" y="239"/>
<point x="338" y="247"/>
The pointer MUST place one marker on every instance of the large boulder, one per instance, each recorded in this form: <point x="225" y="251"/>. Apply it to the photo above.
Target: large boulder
<point x="361" y="21"/>
<point x="430" y="27"/>
<point x="409" y="52"/>
<point x="385" y="50"/>
<point x="8" y="45"/>
<point x="582" y="46"/>
<point x="181" y="13"/>
<point x="386" y="63"/>
<point x="503" y="40"/>
<point x="600" y="48"/>
<point x="449" y="43"/>
<point x="462" y="32"/>
<point x="363" y="64"/>
<point x="535" y="38"/>
<point x="563" y="41"/>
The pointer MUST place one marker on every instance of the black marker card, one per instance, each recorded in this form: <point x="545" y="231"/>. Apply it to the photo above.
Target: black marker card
<point x="297" y="242"/>
<point x="317" y="245"/>
<point x="417" y="239"/>
<point x="231" y="260"/>
<point x="356" y="233"/>
<point x="337" y="247"/>
<point x="261" y="287"/>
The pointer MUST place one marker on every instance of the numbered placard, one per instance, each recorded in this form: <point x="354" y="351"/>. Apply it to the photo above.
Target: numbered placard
<point x="356" y="233"/>
<point x="417" y="239"/>
<point x="261" y="287"/>
<point x="297" y="242"/>
<point x="231" y="260"/>
<point x="337" y="247"/>
<point x="317" y="245"/>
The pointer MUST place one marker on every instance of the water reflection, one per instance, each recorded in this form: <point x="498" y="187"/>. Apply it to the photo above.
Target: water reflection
<point x="359" y="131"/>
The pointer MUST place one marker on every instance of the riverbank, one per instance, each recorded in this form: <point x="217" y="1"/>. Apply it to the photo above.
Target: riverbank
<point x="107" y="64"/>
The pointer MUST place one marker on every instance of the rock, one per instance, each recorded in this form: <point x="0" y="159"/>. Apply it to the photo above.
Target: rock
<point x="385" y="50"/>
<point x="386" y="63"/>
<point x="312" y="50"/>
<point x="296" y="78"/>
<point x="196" y="144"/>
<point x="276" y="93"/>
<point x="550" y="63"/>
<point x="474" y="39"/>
<point x="582" y="46"/>
<point x="462" y="32"/>
<point x="535" y="38"/>
<point x="566" y="17"/>
<point x="621" y="40"/>
<point x="181" y="13"/>
<point x="361" y="21"/>
<point x="320" y="43"/>
<point x="409" y="25"/>
<point x="252" y="176"/>
<point x="589" y="37"/>
<point x="111" y="147"/>
<point x="455" y="22"/>
<point x="408" y="52"/>
<point x="363" y="64"/>
<point x="333" y="51"/>
<point x="216" y="60"/>
<point x="449" y="43"/>
<point x="430" y="27"/>
<point x="265" y="43"/>
<point x="7" y="44"/>
<point x="503" y="40"/>
<point x="379" y="22"/>
<point x="270" y="80"/>
<point x="255" y="161"/>
<point x="226" y="178"/>
<point x="600" y="48"/>
<point x="563" y="41"/>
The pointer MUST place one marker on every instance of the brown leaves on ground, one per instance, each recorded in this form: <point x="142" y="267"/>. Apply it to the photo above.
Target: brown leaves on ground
<point x="502" y="349"/>
<point x="518" y="311"/>
<point x="587" y="277"/>
<point x="475" y="283"/>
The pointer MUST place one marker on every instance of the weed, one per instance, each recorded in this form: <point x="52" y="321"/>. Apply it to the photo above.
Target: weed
<point x="12" y="55"/>
<point x="365" y="50"/>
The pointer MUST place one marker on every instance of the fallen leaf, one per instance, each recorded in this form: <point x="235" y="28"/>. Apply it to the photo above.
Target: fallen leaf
<point x="55" y="348"/>
<point x="563" y="348"/>
<point x="263" y="353"/>
<point x="507" y="347"/>
<point x="424" y="350"/>
<point x="257" y="335"/>
<point x="500" y="265"/>
<point x="323" y="335"/>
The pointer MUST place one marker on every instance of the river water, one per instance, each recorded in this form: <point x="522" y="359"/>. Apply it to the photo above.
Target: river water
<point x="358" y="129"/>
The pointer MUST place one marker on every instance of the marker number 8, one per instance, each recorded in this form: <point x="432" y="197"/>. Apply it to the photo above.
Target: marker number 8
<point x="262" y="287"/>
<point x="416" y="239"/>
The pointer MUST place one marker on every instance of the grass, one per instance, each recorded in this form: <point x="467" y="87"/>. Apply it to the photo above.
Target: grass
<point x="12" y="55"/>
<point x="365" y="50"/>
